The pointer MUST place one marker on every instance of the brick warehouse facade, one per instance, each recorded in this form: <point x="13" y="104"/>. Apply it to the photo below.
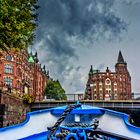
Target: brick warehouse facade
<point x="20" y="72"/>
<point x="109" y="85"/>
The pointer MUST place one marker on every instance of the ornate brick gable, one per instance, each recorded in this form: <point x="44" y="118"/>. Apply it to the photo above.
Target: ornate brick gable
<point x="109" y="85"/>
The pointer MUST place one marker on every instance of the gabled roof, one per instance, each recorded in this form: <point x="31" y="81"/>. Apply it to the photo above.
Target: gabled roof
<point x="31" y="59"/>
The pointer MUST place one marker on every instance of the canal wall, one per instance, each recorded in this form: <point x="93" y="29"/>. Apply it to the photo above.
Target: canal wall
<point x="12" y="110"/>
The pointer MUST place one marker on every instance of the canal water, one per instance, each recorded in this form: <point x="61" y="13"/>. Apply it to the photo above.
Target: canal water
<point x="135" y="118"/>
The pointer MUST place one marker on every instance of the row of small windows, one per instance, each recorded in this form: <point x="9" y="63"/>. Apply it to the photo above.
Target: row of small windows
<point x="11" y="58"/>
<point x="101" y="96"/>
<point x="108" y="86"/>
<point x="101" y="83"/>
<point x="107" y="91"/>
<point x="115" y="76"/>
<point x="120" y="77"/>
<point x="9" y="69"/>
<point x="8" y="81"/>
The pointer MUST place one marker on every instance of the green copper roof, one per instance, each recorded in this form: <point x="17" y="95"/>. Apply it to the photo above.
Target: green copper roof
<point x="31" y="59"/>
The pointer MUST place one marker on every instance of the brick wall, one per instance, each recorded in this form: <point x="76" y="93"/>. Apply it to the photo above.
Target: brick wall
<point x="14" y="109"/>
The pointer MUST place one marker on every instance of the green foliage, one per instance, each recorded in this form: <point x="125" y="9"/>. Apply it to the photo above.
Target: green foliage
<point x="55" y="91"/>
<point x="27" y="98"/>
<point x="17" y="23"/>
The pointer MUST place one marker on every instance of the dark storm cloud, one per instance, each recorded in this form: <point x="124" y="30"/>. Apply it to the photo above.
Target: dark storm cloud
<point x="65" y="23"/>
<point x="57" y="43"/>
<point x="78" y="17"/>
<point x="129" y="2"/>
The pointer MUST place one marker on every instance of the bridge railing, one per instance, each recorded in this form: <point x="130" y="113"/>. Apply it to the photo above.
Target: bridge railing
<point x="130" y="104"/>
<point x="80" y="96"/>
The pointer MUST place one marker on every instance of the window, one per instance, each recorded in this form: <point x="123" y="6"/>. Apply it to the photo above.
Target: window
<point x="115" y="91"/>
<point x="101" y="97"/>
<point x="108" y="81"/>
<point x="18" y="84"/>
<point x="100" y="91"/>
<point x="115" y="85"/>
<point x="9" y="57"/>
<point x="115" y="96"/>
<point x="108" y="85"/>
<point x="8" y="68"/>
<point x="8" y="81"/>
<point x="100" y="85"/>
<point x="124" y="84"/>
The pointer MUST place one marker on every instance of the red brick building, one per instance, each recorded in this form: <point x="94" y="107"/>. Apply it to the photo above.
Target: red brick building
<point x="20" y="72"/>
<point x="109" y="85"/>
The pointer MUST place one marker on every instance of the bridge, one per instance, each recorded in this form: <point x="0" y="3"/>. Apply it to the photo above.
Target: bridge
<point x="131" y="107"/>
<point x="113" y="104"/>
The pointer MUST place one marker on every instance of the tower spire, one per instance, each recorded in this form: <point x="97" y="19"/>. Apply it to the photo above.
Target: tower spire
<point x="91" y="70"/>
<point x="120" y="58"/>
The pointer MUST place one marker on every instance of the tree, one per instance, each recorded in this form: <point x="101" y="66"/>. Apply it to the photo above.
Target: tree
<point x="17" y="23"/>
<point x="55" y="91"/>
<point x="27" y="98"/>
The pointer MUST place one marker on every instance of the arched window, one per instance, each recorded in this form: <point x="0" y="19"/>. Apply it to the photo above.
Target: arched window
<point x="108" y="85"/>
<point x="8" y="81"/>
<point x="8" y="68"/>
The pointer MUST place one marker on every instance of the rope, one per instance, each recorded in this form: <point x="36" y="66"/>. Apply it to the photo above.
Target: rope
<point x="60" y="120"/>
<point x="61" y="135"/>
<point x="77" y="125"/>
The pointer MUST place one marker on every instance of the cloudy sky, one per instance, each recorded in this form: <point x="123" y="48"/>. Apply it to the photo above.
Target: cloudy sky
<point x="74" y="34"/>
